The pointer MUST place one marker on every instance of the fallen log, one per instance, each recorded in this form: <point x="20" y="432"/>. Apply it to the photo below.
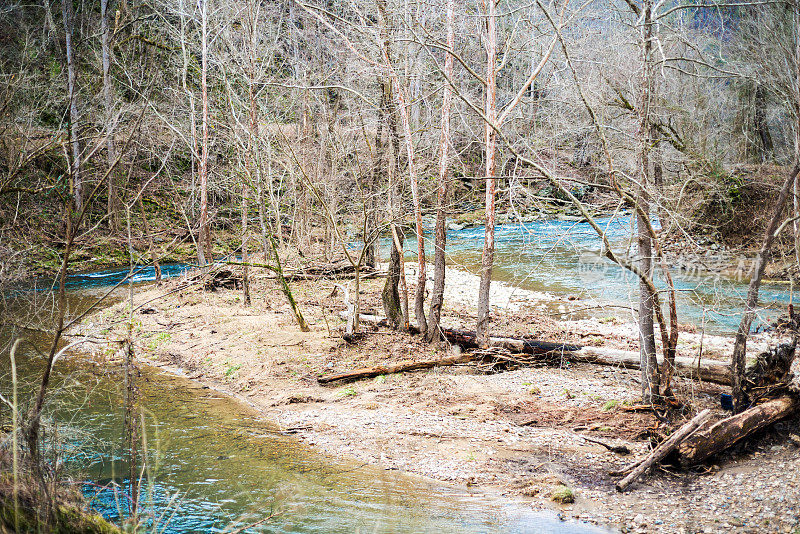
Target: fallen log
<point x="333" y="269"/>
<point x="708" y="371"/>
<point x="400" y="367"/>
<point x="317" y="272"/>
<point x="663" y="449"/>
<point x="363" y="275"/>
<point x="719" y="436"/>
<point x="468" y="340"/>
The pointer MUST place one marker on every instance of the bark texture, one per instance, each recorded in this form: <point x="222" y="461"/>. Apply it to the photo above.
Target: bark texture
<point x="440" y="231"/>
<point x="647" y="342"/>
<point x="719" y="436"/>
<point x="490" y="110"/>
<point x="204" y="241"/>
<point x="76" y="182"/>
<point x="108" y="104"/>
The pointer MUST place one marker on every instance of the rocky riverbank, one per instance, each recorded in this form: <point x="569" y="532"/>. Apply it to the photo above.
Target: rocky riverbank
<point x="529" y="433"/>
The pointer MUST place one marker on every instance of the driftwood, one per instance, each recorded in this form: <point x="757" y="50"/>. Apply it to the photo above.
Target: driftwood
<point x="364" y="274"/>
<point x="770" y="376"/>
<point x="709" y="370"/>
<point x="468" y="340"/>
<point x="719" y="436"/>
<point x="219" y="278"/>
<point x="369" y="372"/>
<point x="662" y="450"/>
<point x="315" y="272"/>
<point x="333" y="269"/>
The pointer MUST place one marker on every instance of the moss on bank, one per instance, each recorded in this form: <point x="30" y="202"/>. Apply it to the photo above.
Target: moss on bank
<point x="68" y="516"/>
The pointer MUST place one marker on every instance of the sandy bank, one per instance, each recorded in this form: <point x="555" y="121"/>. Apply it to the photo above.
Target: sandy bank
<point x="521" y="432"/>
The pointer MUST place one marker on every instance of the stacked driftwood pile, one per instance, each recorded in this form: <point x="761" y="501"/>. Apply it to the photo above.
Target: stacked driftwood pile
<point x="773" y="387"/>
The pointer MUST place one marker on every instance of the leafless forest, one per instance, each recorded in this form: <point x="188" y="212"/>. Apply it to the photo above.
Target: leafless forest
<point x="317" y="147"/>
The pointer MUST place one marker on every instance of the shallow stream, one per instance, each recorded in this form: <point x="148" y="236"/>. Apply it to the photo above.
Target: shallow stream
<point x="562" y="258"/>
<point x="213" y="465"/>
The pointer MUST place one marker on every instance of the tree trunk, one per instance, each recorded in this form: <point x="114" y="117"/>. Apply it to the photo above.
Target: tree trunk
<point x="440" y="232"/>
<point x="392" y="304"/>
<point x="111" y="153"/>
<point x="76" y="182"/>
<point x="204" y="242"/>
<point x="397" y="232"/>
<point x="721" y="435"/>
<point x="252" y="162"/>
<point x="738" y="362"/>
<point x="284" y="286"/>
<point x="371" y="227"/>
<point x="796" y="188"/>
<point x="192" y="115"/>
<point x="487" y="256"/>
<point x="761" y="125"/>
<point x="402" y="106"/>
<point x="50" y="23"/>
<point x="647" y="342"/>
<point x="245" y="254"/>
<point x="391" y="293"/>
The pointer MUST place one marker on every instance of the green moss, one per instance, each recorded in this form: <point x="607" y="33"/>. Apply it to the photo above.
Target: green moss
<point x="610" y="405"/>
<point x="67" y="520"/>
<point x="562" y="494"/>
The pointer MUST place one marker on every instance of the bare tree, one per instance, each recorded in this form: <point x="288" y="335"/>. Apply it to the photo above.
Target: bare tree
<point x="405" y="121"/>
<point x="493" y="121"/>
<point x="440" y="231"/>
<point x="396" y="309"/>
<point x="490" y="155"/>
<point x="647" y="340"/>
<point x="105" y="34"/>
<point x="76" y="182"/>
<point x="204" y="241"/>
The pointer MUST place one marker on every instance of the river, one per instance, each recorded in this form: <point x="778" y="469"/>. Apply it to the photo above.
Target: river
<point x="213" y="464"/>
<point x="562" y="258"/>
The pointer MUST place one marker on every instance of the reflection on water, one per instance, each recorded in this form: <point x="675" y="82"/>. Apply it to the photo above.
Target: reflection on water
<point x="228" y="466"/>
<point x="562" y="257"/>
<point x="212" y="463"/>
